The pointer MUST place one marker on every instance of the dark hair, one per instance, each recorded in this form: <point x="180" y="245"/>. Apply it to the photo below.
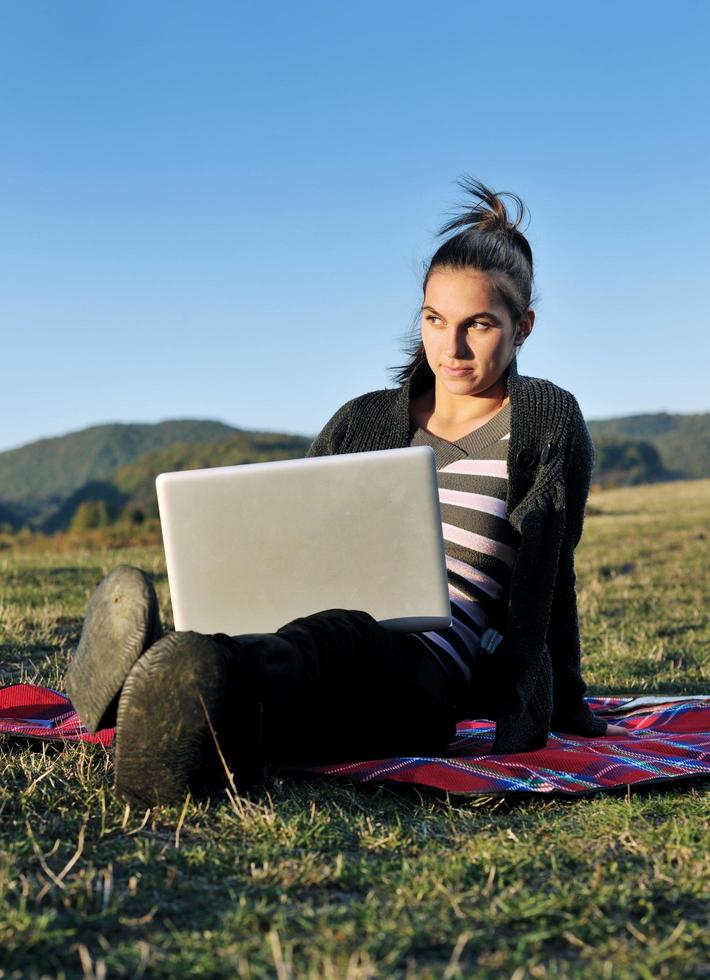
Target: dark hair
<point x="489" y="241"/>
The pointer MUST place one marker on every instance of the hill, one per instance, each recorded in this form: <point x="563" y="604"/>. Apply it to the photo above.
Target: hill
<point x="136" y="480"/>
<point x="682" y="441"/>
<point x="105" y="473"/>
<point x="44" y="485"/>
<point x="627" y="462"/>
<point x="58" y="466"/>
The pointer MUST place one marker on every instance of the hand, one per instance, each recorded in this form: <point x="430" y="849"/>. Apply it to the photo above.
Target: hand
<point x="615" y="730"/>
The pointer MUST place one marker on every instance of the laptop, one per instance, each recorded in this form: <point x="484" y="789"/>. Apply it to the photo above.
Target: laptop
<point x="249" y="548"/>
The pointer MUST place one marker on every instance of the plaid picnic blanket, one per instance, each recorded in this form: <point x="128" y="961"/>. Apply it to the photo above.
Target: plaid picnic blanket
<point x="668" y="738"/>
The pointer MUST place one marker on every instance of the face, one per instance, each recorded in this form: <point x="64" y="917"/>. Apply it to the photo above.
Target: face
<point x="468" y="333"/>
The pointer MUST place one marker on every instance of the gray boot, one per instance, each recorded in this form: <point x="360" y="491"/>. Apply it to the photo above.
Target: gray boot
<point x="122" y="621"/>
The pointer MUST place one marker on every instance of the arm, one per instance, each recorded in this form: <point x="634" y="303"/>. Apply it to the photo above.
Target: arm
<point x="327" y="441"/>
<point x="525" y="696"/>
<point x="570" y="712"/>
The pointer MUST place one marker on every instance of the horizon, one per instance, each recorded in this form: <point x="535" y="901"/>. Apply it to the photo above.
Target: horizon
<point x="286" y="432"/>
<point x="224" y="212"/>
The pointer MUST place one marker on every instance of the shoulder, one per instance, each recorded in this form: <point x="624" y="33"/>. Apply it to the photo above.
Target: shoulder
<point x="373" y="405"/>
<point x="547" y="419"/>
<point x="562" y="421"/>
<point x="383" y="399"/>
<point x="544" y="411"/>
<point x="547" y="395"/>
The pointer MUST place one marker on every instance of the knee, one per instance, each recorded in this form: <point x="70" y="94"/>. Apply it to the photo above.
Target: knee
<point x="346" y="628"/>
<point x="336" y="617"/>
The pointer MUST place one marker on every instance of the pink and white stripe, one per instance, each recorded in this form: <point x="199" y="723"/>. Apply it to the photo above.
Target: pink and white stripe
<point x="475" y="576"/>
<point x="443" y="644"/>
<point x="469" y="636"/>
<point x="477" y="542"/>
<point x="479" y="467"/>
<point x="473" y="501"/>
<point x="473" y="610"/>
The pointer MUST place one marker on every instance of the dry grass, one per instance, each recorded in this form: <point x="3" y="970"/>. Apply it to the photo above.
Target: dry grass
<point x="322" y="879"/>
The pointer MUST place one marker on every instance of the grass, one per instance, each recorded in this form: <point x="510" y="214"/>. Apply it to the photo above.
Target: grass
<point x="324" y="879"/>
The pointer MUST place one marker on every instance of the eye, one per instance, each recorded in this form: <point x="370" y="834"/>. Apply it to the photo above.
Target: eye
<point x="433" y="319"/>
<point x="480" y="325"/>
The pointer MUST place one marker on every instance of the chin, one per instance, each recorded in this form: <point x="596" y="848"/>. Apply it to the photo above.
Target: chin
<point x="461" y="385"/>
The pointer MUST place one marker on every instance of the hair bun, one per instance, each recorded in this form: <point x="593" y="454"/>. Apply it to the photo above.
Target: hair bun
<point x="489" y="213"/>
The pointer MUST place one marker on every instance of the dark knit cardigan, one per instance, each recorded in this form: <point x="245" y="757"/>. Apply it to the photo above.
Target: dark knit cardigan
<point x="549" y="469"/>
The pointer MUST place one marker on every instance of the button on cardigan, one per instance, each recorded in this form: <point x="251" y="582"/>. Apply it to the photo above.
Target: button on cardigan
<point x="550" y="460"/>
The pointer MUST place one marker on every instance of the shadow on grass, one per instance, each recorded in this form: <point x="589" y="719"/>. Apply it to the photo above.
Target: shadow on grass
<point x="503" y="801"/>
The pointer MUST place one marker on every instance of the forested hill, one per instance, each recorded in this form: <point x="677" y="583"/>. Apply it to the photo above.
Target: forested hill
<point x="681" y="441"/>
<point x="58" y="466"/>
<point x="107" y="472"/>
<point x="43" y="484"/>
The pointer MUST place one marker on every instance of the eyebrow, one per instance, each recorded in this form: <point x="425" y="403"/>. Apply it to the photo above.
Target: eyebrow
<point x="473" y="316"/>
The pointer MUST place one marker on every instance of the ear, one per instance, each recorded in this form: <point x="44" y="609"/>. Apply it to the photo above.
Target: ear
<point x="524" y="328"/>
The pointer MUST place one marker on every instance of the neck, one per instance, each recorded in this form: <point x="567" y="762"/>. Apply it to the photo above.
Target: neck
<point x="459" y="409"/>
<point x="450" y="417"/>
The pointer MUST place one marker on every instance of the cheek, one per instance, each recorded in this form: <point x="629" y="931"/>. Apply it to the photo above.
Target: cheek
<point x="430" y="342"/>
<point x="494" y="349"/>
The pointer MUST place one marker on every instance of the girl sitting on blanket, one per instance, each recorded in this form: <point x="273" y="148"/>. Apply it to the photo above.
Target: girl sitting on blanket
<point x="514" y="460"/>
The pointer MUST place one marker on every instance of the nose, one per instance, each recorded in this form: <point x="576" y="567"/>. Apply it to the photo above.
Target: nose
<point x="456" y="343"/>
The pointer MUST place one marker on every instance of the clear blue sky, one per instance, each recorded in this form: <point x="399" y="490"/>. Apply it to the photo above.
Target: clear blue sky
<point x="221" y="209"/>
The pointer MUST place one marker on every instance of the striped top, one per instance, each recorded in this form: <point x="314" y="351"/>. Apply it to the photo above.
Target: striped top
<point x="479" y="541"/>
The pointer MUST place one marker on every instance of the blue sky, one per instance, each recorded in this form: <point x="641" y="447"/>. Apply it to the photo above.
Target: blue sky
<point x="221" y="210"/>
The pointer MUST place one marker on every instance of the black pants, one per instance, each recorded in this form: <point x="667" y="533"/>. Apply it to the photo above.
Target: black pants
<point x="340" y="687"/>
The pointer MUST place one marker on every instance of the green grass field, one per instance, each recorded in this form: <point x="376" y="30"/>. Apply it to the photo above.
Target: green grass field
<point x="322" y="879"/>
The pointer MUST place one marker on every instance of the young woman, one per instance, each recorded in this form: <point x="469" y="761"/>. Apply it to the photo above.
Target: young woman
<point x="514" y="459"/>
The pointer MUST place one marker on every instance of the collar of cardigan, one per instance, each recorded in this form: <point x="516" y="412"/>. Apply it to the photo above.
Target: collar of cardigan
<point x="541" y="423"/>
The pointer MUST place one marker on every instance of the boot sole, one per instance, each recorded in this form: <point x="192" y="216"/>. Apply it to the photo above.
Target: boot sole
<point x="122" y="620"/>
<point x="169" y="708"/>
